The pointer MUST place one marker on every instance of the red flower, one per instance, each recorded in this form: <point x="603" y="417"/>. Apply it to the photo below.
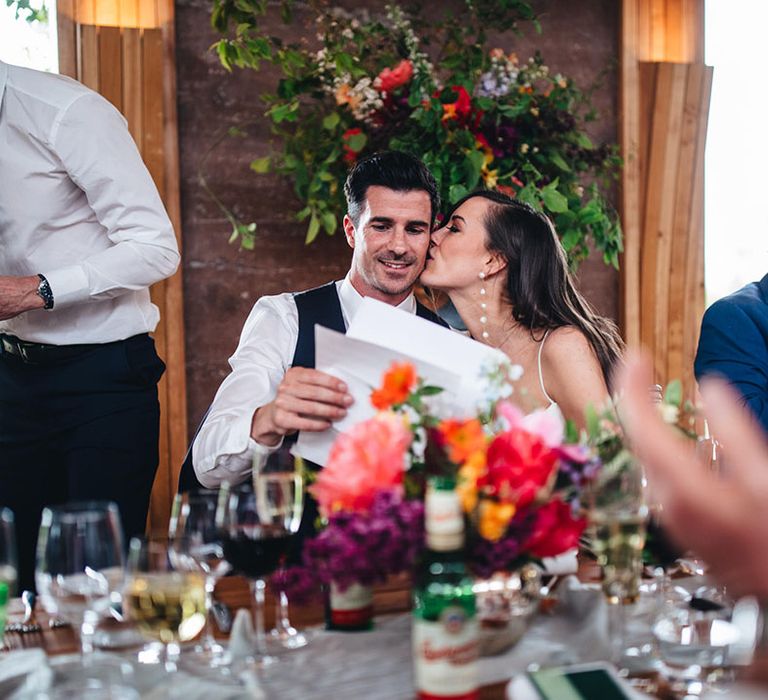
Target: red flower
<point x="461" y="108"/>
<point x="390" y="79"/>
<point x="519" y="465"/>
<point x="350" y="154"/>
<point x="555" y="530"/>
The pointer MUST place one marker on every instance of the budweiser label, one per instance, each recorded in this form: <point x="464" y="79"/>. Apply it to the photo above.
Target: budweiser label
<point x="351" y="607"/>
<point x="446" y="653"/>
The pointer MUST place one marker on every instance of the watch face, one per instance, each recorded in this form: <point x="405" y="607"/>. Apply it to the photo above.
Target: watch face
<point x="45" y="293"/>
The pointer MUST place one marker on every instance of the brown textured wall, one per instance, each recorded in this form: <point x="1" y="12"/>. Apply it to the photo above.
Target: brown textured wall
<point x="221" y="283"/>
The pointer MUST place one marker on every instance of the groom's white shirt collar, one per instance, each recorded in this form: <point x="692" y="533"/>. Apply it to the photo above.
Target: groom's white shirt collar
<point x="351" y="299"/>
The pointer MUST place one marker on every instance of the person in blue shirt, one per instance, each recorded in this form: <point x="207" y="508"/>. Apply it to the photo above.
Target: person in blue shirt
<point x="734" y="345"/>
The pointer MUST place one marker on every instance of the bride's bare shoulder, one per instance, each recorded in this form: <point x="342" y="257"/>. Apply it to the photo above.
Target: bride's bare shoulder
<point x="564" y="341"/>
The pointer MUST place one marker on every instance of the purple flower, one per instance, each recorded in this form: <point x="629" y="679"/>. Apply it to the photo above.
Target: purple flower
<point x="367" y="547"/>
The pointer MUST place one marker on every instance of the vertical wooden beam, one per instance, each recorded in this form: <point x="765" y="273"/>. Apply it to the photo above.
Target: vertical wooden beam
<point x="662" y="103"/>
<point x="88" y="56"/>
<point x="66" y="29"/>
<point x="111" y="65"/>
<point x="630" y="187"/>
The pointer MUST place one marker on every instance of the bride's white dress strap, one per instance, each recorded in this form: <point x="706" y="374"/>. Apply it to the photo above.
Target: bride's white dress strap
<point x="541" y="376"/>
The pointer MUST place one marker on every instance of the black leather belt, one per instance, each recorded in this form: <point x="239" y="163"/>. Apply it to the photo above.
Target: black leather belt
<point x="40" y="353"/>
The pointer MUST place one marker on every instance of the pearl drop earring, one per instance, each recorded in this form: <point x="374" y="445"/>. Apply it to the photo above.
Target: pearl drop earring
<point x="483" y="305"/>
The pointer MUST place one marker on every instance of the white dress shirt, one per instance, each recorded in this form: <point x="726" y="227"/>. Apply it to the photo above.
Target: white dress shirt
<point x="223" y="449"/>
<point x="78" y="205"/>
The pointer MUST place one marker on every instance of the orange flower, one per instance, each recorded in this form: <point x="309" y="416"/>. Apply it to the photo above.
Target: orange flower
<point x="466" y="485"/>
<point x="463" y="438"/>
<point x="525" y="90"/>
<point x="345" y="96"/>
<point x="494" y="519"/>
<point x="398" y="381"/>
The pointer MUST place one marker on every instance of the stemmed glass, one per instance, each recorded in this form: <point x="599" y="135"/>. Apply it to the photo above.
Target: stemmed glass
<point x="259" y="522"/>
<point x="8" y="563"/>
<point x="618" y="515"/>
<point x="194" y="517"/>
<point x="165" y="593"/>
<point x="79" y="560"/>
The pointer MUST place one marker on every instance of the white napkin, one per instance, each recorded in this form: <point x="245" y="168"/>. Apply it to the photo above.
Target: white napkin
<point x="23" y="671"/>
<point x="562" y="564"/>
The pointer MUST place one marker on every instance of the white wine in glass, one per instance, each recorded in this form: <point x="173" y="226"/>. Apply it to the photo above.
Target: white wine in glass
<point x="164" y="596"/>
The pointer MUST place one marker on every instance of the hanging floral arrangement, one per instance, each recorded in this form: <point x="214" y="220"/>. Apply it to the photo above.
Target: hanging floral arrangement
<point x="479" y="116"/>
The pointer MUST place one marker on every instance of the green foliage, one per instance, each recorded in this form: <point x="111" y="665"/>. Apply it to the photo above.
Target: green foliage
<point x="482" y="119"/>
<point x="33" y="12"/>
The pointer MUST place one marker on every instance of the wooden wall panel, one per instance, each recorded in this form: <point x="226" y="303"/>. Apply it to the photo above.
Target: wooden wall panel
<point x="664" y="105"/>
<point x="133" y="67"/>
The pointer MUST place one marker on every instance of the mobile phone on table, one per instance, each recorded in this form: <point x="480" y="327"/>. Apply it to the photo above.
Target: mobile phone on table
<point x="582" y="682"/>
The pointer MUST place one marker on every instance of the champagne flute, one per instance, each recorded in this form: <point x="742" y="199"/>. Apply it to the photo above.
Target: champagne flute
<point x="260" y="521"/>
<point x="618" y="515"/>
<point x="165" y="593"/>
<point x="194" y="517"/>
<point x="79" y="560"/>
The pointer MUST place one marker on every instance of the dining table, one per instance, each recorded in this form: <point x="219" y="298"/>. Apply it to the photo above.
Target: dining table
<point x="377" y="664"/>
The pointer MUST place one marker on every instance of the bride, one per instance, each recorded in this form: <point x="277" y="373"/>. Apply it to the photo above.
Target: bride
<point x="505" y="271"/>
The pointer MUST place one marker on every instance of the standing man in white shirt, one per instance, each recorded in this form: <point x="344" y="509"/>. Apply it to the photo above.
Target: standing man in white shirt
<point x="83" y="234"/>
<point x="273" y="390"/>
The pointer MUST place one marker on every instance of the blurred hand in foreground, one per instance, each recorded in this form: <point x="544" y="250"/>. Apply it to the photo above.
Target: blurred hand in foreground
<point x="722" y="517"/>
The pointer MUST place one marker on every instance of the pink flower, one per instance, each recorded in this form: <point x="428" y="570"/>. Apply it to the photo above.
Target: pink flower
<point x="390" y="79"/>
<point x="365" y="460"/>
<point x="548" y="425"/>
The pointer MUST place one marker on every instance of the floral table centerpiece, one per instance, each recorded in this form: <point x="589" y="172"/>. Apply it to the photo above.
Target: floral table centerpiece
<point x="517" y="477"/>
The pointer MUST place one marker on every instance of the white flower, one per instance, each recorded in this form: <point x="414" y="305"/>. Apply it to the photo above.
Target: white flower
<point x="669" y="413"/>
<point x="514" y="372"/>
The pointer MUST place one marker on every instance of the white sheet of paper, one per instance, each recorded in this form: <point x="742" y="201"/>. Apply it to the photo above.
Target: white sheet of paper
<point x="382" y="324"/>
<point x="361" y="365"/>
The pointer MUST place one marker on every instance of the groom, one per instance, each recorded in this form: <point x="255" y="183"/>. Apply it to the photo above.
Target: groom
<point x="273" y="390"/>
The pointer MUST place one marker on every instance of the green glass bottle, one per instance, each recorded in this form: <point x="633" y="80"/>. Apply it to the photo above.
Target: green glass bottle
<point x="445" y="625"/>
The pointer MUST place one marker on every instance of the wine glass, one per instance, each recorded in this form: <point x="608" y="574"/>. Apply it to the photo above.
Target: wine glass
<point x="165" y="593"/>
<point x="79" y="560"/>
<point x="259" y="523"/>
<point x="194" y="517"/>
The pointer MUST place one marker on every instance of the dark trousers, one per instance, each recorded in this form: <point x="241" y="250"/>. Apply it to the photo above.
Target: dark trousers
<point x="85" y="428"/>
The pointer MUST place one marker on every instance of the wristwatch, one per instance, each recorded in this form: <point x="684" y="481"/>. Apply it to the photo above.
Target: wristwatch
<point x="45" y="293"/>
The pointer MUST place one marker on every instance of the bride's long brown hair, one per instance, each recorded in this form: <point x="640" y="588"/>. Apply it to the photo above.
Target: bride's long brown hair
<point x="539" y="286"/>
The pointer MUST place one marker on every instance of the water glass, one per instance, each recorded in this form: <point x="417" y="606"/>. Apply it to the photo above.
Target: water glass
<point x="79" y="561"/>
<point x="694" y="647"/>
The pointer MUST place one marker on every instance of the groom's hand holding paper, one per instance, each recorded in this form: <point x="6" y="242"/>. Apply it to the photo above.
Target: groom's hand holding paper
<point x="306" y="400"/>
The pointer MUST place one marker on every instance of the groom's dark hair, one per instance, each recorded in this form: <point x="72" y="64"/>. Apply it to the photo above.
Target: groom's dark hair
<point x="394" y="170"/>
